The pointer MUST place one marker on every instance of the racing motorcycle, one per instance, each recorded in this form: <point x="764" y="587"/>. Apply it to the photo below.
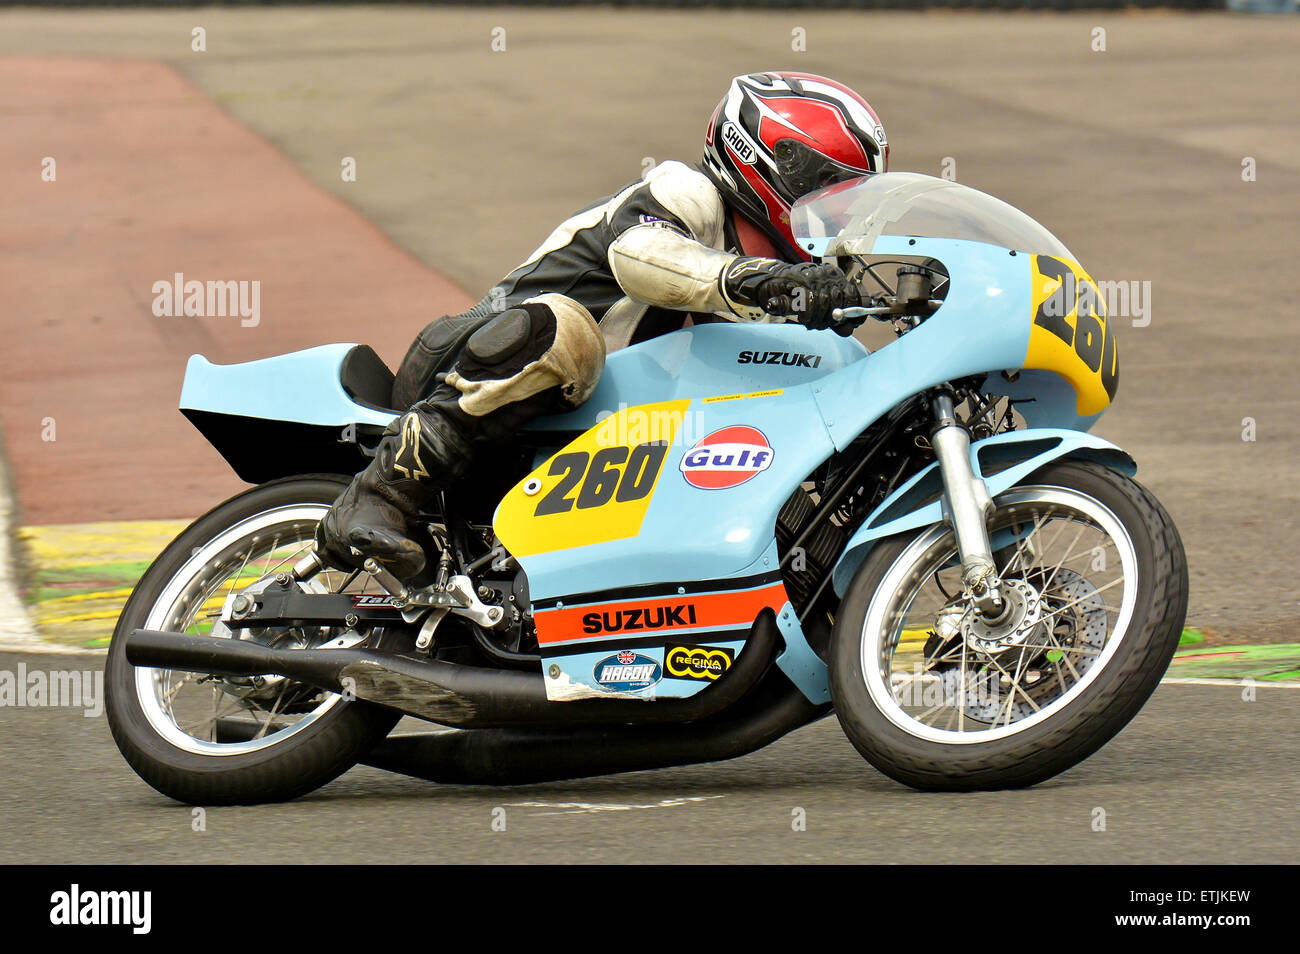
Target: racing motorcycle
<point x="747" y="527"/>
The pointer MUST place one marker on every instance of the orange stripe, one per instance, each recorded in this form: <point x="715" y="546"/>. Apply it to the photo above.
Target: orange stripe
<point x="712" y="611"/>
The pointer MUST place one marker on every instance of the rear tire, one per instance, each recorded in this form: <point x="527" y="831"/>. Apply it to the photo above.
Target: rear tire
<point x="1084" y="723"/>
<point x="305" y="759"/>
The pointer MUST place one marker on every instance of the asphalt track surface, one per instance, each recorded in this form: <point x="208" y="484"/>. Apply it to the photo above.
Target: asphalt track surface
<point x="1199" y="776"/>
<point x="227" y="165"/>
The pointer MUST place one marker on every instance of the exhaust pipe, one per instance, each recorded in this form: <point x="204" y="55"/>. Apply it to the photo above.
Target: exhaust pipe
<point x="446" y="693"/>
<point x="526" y="756"/>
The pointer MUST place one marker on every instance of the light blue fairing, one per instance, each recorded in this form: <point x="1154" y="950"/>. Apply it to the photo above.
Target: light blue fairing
<point x="696" y="534"/>
<point x="302" y="387"/>
<point x="705" y="361"/>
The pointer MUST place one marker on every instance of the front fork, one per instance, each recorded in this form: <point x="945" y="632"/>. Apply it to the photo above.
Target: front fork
<point x="968" y="506"/>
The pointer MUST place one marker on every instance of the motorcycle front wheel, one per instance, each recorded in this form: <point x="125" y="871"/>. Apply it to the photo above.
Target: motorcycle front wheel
<point x="939" y="697"/>
<point x="209" y="740"/>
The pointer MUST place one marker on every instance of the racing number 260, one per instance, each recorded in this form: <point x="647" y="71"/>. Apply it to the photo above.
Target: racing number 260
<point x="1090" y="337"/>
<point x="612" y="473"/>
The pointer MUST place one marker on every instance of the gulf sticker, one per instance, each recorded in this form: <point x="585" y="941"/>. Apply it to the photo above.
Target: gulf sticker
<point x="596" y="489"/>
<point x="727" y="458"/>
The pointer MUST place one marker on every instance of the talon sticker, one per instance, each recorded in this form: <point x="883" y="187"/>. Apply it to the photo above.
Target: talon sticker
<point x="375" y="599"/>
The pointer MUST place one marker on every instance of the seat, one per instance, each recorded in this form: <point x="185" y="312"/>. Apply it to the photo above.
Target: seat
<point x="367" y="380"/>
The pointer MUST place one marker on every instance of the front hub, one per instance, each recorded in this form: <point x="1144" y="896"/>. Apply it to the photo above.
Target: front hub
<point x="1000" y="637"/>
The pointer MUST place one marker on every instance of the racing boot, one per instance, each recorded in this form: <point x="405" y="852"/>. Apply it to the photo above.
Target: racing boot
<point x="543" y="356"/>
<point x="420" y="454"/>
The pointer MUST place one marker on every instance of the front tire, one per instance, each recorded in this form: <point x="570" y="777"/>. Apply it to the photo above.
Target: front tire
<point x="213" y="762"/>
<point x="985" y="707"/>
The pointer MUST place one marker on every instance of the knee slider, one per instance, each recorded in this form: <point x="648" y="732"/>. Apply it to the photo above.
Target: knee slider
<point x="502" y="337"/>
<point x="508" y="343"/>
<point x="550" y="341"/>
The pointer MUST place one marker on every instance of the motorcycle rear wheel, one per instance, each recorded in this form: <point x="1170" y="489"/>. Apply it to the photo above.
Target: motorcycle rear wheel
<point x="263" y="740"/>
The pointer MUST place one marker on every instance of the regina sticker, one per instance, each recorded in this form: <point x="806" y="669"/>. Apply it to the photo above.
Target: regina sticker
<point x="697" y="662"/>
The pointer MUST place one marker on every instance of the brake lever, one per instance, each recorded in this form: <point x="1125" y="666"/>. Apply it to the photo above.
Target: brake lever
<point x="840" y="315"/>
<point x="882" y="312"/>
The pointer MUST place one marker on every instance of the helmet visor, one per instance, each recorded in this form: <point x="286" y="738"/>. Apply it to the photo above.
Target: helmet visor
<point x="802" y="169"/>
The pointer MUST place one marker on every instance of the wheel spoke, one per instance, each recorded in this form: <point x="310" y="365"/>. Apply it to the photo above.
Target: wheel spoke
<point x="1080" y="599"/>
<point x="1047" y="584"/>
<point x="274" y="709"/>
<point x="290" y="559"/>
<point x="1038" y="523"/>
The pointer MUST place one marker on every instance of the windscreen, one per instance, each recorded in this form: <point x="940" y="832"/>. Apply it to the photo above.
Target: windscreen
<point x="848" y="218"/>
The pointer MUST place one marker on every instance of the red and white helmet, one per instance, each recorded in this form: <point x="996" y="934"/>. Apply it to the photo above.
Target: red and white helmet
<point x="778" y="136"/>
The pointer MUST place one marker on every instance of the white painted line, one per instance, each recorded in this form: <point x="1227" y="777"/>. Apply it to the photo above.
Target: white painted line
<point x="17" y="634"/>
<point x="582" y="808"/>
<point x="1238" y="683"/>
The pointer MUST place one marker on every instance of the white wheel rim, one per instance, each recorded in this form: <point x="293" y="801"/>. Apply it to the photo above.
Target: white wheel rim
<point x="874" y="625"/>
<point x="150" y="682"/>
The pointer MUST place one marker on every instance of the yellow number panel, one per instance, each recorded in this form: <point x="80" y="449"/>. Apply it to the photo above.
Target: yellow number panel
<point x="1069" y="333"/>
<point x="595" y="490"/>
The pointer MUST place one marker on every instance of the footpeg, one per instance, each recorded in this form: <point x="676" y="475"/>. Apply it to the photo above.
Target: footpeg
<point x="395" y="587"/>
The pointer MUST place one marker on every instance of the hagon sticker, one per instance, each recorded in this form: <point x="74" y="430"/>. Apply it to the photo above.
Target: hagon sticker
<point x="1069" y="333"/>
<point x="727" y="458"/>
<point x="595" y="490"/>
<point x="627" y="671"/>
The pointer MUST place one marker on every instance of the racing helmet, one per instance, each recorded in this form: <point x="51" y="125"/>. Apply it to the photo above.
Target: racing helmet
<point x="778" y="136"/>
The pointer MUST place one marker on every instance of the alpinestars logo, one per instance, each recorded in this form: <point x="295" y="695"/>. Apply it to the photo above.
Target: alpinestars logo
<point x="415" y="470"/>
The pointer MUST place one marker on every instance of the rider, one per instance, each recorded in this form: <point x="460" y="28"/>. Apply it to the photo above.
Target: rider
<point x="681" y="245"/>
